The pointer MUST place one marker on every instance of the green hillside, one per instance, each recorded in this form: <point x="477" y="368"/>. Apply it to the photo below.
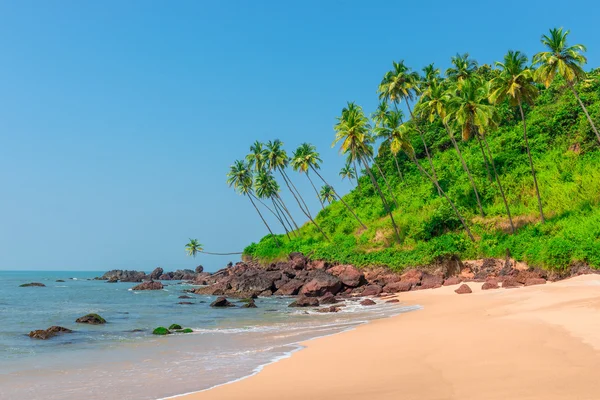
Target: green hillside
<point x="566" y="156"/>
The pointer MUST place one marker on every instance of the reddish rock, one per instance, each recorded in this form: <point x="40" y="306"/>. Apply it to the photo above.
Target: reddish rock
<point x="297" y="261"/>
<point x="44" y="334"/>
<point x="535" y="281"/>
<point x="453" y="280"/>
<point x="393" y="301"/>
<point x="367" y="302"/>
<point x="303" y="301"/>
<point x="152" y="285"/>
<point x="490" y="284"/>
<point x="467" y="273"/>
<point x="398" y="287"/>
<point x="371" y="290"/>
<point x="348" y="274"/>
<point x="328" y="309"/>
<point x="321" y="283"/>
<point x="290" y="288"/>
<point x="316" y="264"/>
<point x="413" y="276"/>
<point x="524" y="276"/>
<point x="463" y="289"/>
<point x="221" y="302"/>
<point x="510" y="282"/>
<point x="431" y="281"/>
<point x="328" y="299"/>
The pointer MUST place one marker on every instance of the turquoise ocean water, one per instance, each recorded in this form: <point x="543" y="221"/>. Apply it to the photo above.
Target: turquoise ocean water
<point x="122" y="359"/>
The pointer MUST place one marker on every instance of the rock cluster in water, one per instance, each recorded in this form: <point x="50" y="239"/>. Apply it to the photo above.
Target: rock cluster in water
<point x="45" y="334"/>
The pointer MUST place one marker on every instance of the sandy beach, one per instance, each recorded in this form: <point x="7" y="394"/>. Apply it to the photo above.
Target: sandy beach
<point x="536" y="342"/>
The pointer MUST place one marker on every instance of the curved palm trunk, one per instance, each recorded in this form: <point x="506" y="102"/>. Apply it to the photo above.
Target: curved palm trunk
<point x="289" y="182"/>
<point x="300" y="205"/>
<point x="387" y="185"/>
<point x="537" y="190"/>
<point x="268" y="208"/>
<point x="284" y="207"/>
<point x="437" y="185"/>
<point x="585" y="111"/>
<point x="339" y="197"/>
<point x="424" y="144"/>
<point x="356" y="174"/>
<point x="512" y="226"/>
<point x="466" y="168"/>
<point x="316" y="191"/>
<point x="281" y="219"/>
<point x="485" y="159"/>
<point x="264" y="221"/>
<point x="384" y="201"/>
<point x="398" y="168"/>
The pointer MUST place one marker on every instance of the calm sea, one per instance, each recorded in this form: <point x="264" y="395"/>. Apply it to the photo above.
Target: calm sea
<point x="122" y="359"/>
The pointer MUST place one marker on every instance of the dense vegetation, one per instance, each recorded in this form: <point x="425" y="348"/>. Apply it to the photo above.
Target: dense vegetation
<point x="487" y="159"/>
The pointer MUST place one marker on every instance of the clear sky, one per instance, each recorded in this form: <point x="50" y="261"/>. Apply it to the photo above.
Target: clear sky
<point x="119" y="119"/>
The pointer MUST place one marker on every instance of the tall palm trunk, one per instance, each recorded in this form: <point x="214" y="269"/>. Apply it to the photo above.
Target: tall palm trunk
<point x="277" y="216"/>
<point x="383" y="200"/>
<point x="585" y="111"/>
<point x="465" y="167"/>
<point x="289" y="182"/>
<point x="437" y="185"/>
<point x="398" y="167"/>
<point x="284" y="207"/>
<point x="485" y="159"/>
<point x="281" y="217"/>
<point x="356" y="174"/>
<point x="537" y="190"/>
<point x="316" y="191"/>
<point x="339" y="197"/>
<point x="387" y="185"/>
<point x="264" y="221"/>
<point x="512" y="226"/>
<point x="300" y="205"/>
<point x="424" y="144"/>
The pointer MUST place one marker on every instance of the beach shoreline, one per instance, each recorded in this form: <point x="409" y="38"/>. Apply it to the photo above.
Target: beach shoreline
<point x="536" y="342"/>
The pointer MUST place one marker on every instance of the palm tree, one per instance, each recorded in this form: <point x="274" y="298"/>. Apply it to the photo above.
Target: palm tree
<point x="327" y="194"/>
<point x="472" y="112"/>
<point x="464" y="106"/>
<point x="194" y="247"/>
<point x="564" y="60"/>
<point x="256" y="157"/>
<point x="431" y="74"/>
<point x="515" y="82"/>
<point x="401" y="142"/>
<point x="401" y="83"/>
<point x="347" y="173"/>
<point x="276" y="159"/>
<point x="462" y="69"/>
<point x="302" y="158"/>
<point x="240" y="178"/>
<point x="266" y="187"/>
<point x="385" y="129"/>
<point x="352" y="131"/>
<point x="313" y="161"/>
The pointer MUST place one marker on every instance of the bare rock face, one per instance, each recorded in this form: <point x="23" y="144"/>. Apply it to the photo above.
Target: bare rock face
<point x="152" y="285"/>
<point x="221" y="302"/>
<point x="367" y="302"/>
<point x="321" y="283"/>
<point x="304" y="301"/>
<point x="348" y="274"/>
<point x="453" y="280"/>
<point x="289" y="288"/>
<point x="431" y="281"/>
<point x="464" y="289"/>
<point x="371" y="290"/>
<point x="297" y="261"/>
<point x="510" y="282"/>
<point x="413" y="276"/>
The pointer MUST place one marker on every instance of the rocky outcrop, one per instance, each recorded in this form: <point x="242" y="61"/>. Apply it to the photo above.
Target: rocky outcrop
<point x="250" y="304"/>
<point x="347" y="274"/>
<point x="92" y="319"/>
<point x="321" y="283"/>
<point x="32" y="284"/>
<point x="221" y="302"/>
<point x="152" y="285"/>
<point x="158" y="271"/>
<point x="124" y="275"/>
<point x="45" y="334"/>
<point x="490" y="284"/>
<point x="199" y="269"/>
<point x="304" y="301"/>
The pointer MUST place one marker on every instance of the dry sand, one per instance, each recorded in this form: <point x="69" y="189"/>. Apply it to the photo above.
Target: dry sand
<point x="537" y="342"/>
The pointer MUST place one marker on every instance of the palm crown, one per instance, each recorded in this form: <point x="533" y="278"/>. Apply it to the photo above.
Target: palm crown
<point x="305" y="157"/>
<point x="240" y="177"/>
<point x="462" y="68"/>
<point x="398" y="84"/>
<point x="193" y="247"/>
<point x="560" y="58"/>
<point x="469" y="108"/>
<point x="515" y="80"/>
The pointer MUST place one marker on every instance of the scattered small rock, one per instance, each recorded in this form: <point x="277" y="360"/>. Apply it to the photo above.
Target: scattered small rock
<point x="393" y="301"/>
<point x="92" y="319"/>
<point x="367" y="302"/>
<point x="45" y="334"/>
<point x="304" y="301"/>
<point x="249" y="304"/>
<point x="185" y="297"/>
<point x="59" y="280"/>
<point x="161" y="330"/>
<point x="463" y="289"/>
<point x="152" y="285"/>
<point x="453" y="280"/>
<point x="221" y="302"/>
<point x="32" y="284"/>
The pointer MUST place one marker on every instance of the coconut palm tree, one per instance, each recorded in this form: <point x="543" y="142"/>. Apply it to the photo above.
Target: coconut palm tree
<point x="402" y="84"/>
<point x="240" y="178"/>
<point x="462" y="69"/>
<point x="276" y="159"/>
<point x="301" y="160"/>
<point x="515" y="82"/>
<point x="401" y="142"/>
<point x="352" y="131"/>
<point x="347" y="172"/>
<point x="385" y="129"/>
<point x="194" y="247"/>
<point x="564" y="60"/>
<point x="473" y="113"/>
<point x="266" y="187"/>
<point x="431" y="74"/>
<point x="327" y="194"/>
<point x="256" y="157"/>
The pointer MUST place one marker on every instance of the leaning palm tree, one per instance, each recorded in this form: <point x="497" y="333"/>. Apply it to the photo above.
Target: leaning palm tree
<point x="473" y="113"/>
<point x="240" y="178"/>
<point x="266" y="188"/>
<point x="515" y="82"/>
<point x="463" y="68"/>
<point x="402" y="84"/>
<point x="564" y="60"/>
<point x="194" y="247"/>
<point x="327" y="194"/>
<point x="276" y="159"/>
<point x="302" y="158"/>
<point x="385" y="130"/>
<point x="352" y="131"/>
<point x="256" y="157"/>
<point x="401" y="142"/>
<point x="347" y="173"/>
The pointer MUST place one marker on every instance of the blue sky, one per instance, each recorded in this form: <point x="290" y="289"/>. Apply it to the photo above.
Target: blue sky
<point x="119" y="120"/>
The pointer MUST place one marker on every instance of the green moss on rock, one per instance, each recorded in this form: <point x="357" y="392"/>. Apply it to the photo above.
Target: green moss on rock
<point x="175" y="327"/>
<point x="161" y="330"/>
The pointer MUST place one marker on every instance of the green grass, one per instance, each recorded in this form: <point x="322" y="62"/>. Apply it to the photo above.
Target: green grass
<point x="567" y="160"/>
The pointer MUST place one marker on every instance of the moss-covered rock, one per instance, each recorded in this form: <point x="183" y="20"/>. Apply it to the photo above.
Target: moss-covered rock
<point x="175" y="327"/>
<point x="186" y="330"/>
<point x="161" y="330"/>
<point x="32" y="284"/>
<point x="93" y="319"/>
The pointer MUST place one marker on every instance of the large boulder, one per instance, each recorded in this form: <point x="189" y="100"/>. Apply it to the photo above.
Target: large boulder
<point x="321" y="283"/>
<point x="289" y="288"/>
<point x="490" y="284"/>
<point x="297" y="261"/>
<point x="199" y="269"/>
<point x="221" y="302"/>
<point x="92" y="319"/>
<point x="125" y="275"/>
<point x="152" y="285"/>
<point x="249" y="304"/>
<point x="44" y="334"/>
<point x="371" y="290"/>
<point x="158" y="271"/>
<point x="303" y="301"/>
<point x="255" y="280"/>
<point x="431" y="281"/>
<point x="397" y="287"/>
<point x="413" y="276"/>
<point x="348" y="274"/>
<point x="328" y="299"/>
<point x="510" y="282"/>
<point x="183" y="275"/>
<point x="453" y="280"/>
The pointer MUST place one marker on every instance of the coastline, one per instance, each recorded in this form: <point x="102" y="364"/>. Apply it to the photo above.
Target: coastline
<point x="536" y="342"/>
